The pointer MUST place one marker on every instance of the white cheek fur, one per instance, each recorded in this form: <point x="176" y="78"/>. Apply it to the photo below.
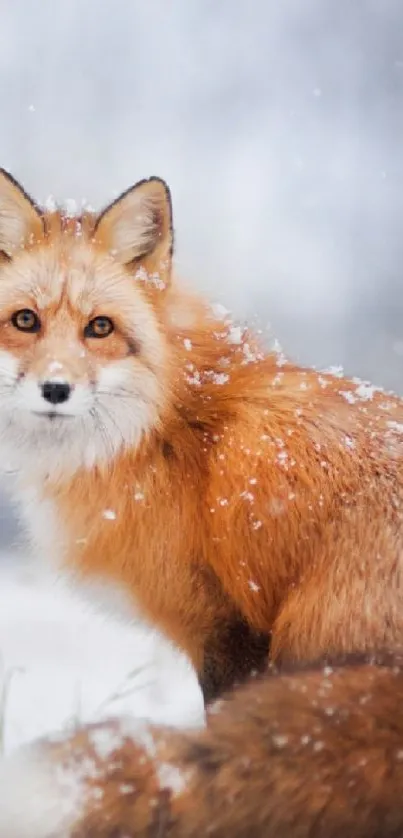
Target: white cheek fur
<point x="113" y="376"/>
<point x="8" y="367"/>
<point x="127" y="400"/>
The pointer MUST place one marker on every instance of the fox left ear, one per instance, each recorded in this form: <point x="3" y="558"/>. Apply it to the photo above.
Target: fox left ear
<point x="137" y="228"/>
<point x="21" y="221"/>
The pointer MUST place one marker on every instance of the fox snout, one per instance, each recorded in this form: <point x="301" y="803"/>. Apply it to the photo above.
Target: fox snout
<point x="56" y="379"/>
<point x="47" y="392"/>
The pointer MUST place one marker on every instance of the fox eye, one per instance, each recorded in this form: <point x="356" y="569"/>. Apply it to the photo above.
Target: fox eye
<point x="99" y="327"/>
<point x="26" y="320"/>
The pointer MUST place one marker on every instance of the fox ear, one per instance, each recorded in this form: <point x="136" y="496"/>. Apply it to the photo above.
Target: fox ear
<point x="20" y="219"/>
<point x="137" y="228"/>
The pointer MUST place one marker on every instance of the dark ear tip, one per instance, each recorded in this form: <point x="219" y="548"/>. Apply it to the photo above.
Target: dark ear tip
<point x="9" y="176"/>
<point x="161" y="182"/>
<point x="14" y="182"/>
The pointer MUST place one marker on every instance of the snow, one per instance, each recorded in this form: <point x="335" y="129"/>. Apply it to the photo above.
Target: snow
<point x="170" y="777"/>
<point x="348" y="396"/>
<point x="36" y="801"/>
<point x="366" y="391"/>
<point x="235" y="335"/>
<point x="64" y="660"/>
<point x="220" y="312"/>
<point x="220" y="378"/>
<point x="395" y="426"/>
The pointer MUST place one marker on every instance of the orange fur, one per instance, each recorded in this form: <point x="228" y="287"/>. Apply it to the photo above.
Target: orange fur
<point x="262" y="504"/>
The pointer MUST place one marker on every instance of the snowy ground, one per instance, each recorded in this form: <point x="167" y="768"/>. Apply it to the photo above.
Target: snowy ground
<point x="63" y="660"/>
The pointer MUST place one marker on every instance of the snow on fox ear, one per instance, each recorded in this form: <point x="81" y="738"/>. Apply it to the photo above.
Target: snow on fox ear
<point x="20" y="220"/>
<point x="137" y="228"/>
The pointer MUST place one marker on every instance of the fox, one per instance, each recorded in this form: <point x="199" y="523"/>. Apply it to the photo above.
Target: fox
<point x="250" y="508"/>
<point x="311" y="751"/>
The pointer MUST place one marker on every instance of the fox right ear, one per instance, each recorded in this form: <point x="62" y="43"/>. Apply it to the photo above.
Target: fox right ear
<point x="137" y="228"/>
<point x="20" y="220"/>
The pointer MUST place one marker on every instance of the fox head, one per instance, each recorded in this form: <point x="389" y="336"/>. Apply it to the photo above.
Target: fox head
<point x="83" y="354"/>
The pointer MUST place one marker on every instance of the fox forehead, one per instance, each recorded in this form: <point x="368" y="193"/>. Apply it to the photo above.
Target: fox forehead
<point x="76" y="278"/>
<point x="68" y="283"/>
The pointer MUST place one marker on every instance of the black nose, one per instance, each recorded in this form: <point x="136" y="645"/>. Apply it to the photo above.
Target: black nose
<point x="56" y="392"/>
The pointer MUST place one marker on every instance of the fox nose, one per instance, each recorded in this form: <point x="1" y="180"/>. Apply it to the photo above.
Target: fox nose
<point x="56" y="392"/>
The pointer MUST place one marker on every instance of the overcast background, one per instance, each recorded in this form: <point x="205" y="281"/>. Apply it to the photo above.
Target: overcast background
<point x="278" y="125"/>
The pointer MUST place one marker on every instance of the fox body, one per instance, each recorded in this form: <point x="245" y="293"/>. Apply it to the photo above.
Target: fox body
<point x="249" y="506"/>
<point x="307" y="754"/>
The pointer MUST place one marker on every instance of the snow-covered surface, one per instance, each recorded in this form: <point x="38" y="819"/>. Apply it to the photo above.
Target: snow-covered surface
<point x="64" y="659"/>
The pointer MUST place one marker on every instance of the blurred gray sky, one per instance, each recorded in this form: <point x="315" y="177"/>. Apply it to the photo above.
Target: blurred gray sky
<point x="277" y="123"/>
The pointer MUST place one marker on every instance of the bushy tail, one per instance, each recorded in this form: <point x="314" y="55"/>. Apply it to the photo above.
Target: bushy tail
<point x="315" y="752"/>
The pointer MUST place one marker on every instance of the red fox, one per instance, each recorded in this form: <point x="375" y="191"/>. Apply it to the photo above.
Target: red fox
<point x="314" y="754"/>
<point x="252" y="508"/>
